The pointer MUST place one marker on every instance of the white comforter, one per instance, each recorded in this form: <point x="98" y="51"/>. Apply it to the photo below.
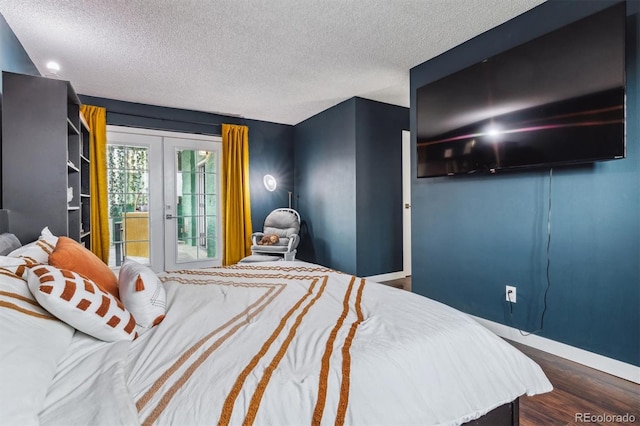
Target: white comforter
<point x="290" y="344"/>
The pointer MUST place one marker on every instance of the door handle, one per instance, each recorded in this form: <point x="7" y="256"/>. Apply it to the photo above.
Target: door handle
<point x="169" y="216"/>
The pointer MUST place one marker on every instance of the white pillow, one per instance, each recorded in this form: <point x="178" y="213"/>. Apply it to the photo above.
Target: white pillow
<point x="142" y="294"/>
<point x="8" y="243"/>
<point x="38" y="251"/>
<point x="80" y="302"/>
<point x="32" y="342"/>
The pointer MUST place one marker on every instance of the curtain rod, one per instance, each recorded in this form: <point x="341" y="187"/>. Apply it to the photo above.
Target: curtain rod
<point x="175" y="120"/>
<point x="164" y="119"/>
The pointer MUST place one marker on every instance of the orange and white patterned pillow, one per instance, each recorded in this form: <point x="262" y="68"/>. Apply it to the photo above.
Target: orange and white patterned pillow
<point x="38" y="251"/>
<point x="81" y="303"/>
<point x="142" y="294"/>
<point x="32" y="343"/>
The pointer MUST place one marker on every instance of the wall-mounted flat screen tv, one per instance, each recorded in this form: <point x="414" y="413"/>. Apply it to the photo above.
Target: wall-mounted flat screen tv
<point x="558" y="99"/>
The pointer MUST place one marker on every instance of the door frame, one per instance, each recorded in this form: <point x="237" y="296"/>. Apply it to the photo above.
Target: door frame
<point x="155" y="138"/>
<point x="406" y="203"/>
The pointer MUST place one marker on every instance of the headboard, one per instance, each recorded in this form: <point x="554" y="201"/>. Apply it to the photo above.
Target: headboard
<point x="22" y="229"/>
<point x="4" y="221"/>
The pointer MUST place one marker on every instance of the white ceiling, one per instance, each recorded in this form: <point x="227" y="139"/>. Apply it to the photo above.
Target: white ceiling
<point x="274" y="60"/>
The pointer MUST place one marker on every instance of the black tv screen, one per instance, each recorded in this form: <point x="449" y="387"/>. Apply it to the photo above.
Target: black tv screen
<point x="558" y="99"/>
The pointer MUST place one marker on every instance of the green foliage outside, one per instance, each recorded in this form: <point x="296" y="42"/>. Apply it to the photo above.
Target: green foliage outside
<point x="127" y="174"/>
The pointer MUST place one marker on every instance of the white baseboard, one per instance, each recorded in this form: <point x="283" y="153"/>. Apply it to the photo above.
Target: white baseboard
<point x="608" y="365"/>
<point x="387" y="277"/>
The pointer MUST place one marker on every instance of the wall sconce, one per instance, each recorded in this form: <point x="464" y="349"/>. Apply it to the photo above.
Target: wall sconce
<point x="270" y="183"/>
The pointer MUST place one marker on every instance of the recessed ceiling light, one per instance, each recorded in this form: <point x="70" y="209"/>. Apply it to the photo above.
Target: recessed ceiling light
<point x="53" y="66"/>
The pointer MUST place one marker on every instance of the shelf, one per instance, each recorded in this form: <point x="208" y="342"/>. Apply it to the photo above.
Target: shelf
<point x="84" y="122"/>
<point x="71" y="128"/>
<point x="57" y="138"/>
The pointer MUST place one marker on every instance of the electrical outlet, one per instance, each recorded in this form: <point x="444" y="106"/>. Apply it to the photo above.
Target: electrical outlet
<point x="510" y="293"/>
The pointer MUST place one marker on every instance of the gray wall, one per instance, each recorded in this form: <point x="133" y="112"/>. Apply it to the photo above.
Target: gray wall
<point x="473" y="235"/>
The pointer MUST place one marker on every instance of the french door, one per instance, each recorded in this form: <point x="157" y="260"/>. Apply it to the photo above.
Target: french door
<point x="192" y="223"/>
<point x="164" y="191"/>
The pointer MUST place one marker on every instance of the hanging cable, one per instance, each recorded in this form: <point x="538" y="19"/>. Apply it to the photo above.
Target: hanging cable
<point x="548" y="276"/>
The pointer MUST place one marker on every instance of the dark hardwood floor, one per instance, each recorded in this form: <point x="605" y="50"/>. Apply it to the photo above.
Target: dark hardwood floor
<point x="578" y="391"/>
<point x="401" y="283"/>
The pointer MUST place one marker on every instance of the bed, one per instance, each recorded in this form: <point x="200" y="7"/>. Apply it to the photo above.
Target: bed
<point x="277" y="343"/>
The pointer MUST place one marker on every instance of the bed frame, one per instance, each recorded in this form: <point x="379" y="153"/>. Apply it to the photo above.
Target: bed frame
<point x="505" y="415"/>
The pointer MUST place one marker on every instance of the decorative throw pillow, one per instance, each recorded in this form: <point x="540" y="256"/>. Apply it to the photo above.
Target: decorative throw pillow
<point x="38" y="251"/>
<point x="142" y="293"/>
<point x="32" y="343"/>
<point x="71" y="255"/>
<point x="8" y="243"/>
<point x="81" y="303"/>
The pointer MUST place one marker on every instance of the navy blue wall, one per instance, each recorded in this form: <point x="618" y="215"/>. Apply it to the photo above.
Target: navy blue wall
<point x="348" y="167"/>
<point x="13" y="57"/>
<point x="325" y="182"/>
<point x="473" y="235"/>
<point x="379" y="186"/>
<point x="270" y="144"/>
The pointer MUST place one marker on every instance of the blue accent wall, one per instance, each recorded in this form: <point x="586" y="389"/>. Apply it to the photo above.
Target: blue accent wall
<point x="379" y="207"/>
<point x="348" y="179"/>
<point x="13" y="57"/>
<point x="325" y="182"/>
<point x="471" y="236"/>
<point x="270" y="144"/>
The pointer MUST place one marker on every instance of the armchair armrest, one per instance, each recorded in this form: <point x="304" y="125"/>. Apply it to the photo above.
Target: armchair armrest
<point x="293" y="242"/>
<point x="255" y="237"/>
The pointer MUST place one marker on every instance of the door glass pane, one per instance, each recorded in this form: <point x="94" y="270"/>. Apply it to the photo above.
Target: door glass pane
<point x="196" y="190"/>
<point x="128" y="195"/>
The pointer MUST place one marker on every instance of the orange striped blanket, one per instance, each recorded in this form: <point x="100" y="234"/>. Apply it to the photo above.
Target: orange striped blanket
<point x="286" y="343"/>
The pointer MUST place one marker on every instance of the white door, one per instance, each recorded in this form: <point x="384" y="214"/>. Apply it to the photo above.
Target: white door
<point x="192" y="225"/>
<point x="135" y="191"/>
<point x="164" y="208"/>
<point x="406" y="201"/>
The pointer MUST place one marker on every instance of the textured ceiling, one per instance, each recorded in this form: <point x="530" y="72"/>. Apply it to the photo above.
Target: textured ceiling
<point x="274" y="60"/>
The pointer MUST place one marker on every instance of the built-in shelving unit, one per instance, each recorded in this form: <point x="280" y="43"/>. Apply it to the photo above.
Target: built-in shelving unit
<point x="85" y="184"/>
<point x="42" y="131"/>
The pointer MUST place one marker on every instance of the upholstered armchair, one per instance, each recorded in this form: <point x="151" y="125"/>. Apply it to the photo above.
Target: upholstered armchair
<point x="283" y="223"/>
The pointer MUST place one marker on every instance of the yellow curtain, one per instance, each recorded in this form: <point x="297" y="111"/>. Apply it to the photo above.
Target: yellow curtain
<point x="236" y="202"/>
<point x="96" y="118"/>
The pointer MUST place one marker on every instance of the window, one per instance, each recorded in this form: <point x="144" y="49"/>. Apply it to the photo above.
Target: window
<point x="128" y="195"/>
